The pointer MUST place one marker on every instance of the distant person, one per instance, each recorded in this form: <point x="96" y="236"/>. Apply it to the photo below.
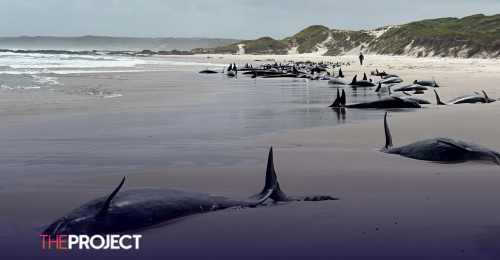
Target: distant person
<point x="361" y="58"/>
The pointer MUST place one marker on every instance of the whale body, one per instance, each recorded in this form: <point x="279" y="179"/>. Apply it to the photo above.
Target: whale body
<point x="139" y="208"/>
<point x="388" y="102"/>
<point x="471" y="99"/>
<point x="440" y="149"/>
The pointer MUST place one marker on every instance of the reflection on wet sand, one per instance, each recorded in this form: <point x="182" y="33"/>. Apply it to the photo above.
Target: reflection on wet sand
<point x="341" y="114"/>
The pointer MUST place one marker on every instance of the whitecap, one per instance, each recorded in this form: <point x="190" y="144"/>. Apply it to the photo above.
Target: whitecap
<point x="112" y="95"/>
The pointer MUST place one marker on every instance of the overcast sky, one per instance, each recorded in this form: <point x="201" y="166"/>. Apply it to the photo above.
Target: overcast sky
<point x="241" y="19"/>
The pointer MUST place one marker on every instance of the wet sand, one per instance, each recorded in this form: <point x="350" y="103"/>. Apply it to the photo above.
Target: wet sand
<point x="390" y="207"/>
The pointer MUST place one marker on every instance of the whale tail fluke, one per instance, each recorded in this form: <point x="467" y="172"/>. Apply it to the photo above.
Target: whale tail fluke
<point x="388" y="137"/>
<point x="438" y="99"/>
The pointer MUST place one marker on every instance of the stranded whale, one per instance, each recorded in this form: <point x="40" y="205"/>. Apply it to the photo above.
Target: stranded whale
<point x="207" y="71"/>
<point x="412" y="87"/>
<point x="427" y="83"/>
<point x="391" y="79"/>
<point x="474" y="98"/>
<point x="416" y="99"/>
<point x="440" y="149"/>
<point x="362" y="83"/>
<point x="388" y="102"/>
<point x="138" y="208"/>
<point x="384" y="89"/>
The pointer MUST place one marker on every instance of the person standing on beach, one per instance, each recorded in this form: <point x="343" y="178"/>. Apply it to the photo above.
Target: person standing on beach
<point x="361" y="58"/>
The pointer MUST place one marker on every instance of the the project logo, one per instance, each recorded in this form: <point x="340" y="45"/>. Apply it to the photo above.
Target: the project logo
<point x="94" y="242"/>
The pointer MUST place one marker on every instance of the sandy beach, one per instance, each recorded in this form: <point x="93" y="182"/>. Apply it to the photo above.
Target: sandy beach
<point x="65" y="149"/>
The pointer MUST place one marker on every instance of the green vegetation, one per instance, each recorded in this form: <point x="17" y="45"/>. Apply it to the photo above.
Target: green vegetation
<point x="444" y="36"/>
<point x="468" y="36"/>
<point x="346" y="40"/>
<point x="308" y="39"/>
<point x="266" y="45"/>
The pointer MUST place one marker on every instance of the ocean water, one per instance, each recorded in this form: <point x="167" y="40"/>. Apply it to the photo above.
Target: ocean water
<point x="31" y="71"/>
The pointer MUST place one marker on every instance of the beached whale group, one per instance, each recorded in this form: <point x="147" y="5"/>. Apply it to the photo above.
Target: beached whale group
<point x="309" y="70"/>
<point x="319" y="71"/>
<point x="137" y="208"/>
<point x="400" y="101"/>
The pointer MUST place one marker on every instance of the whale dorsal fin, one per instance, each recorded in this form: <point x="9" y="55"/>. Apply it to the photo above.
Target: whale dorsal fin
<point x="486" y="97"/>
<point x="364" y="76"/>
<point x="378" y="88"/>
<point x="388" y="137"/>
<point x="105" y="207"/>
<point x="455" y="145"/>
<point x="438" y="99"/>
<point x="337" y="101"/>
<point x="435" y="84"/>
<point x="353" y="82"/>
<point x="271" y="180"/>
